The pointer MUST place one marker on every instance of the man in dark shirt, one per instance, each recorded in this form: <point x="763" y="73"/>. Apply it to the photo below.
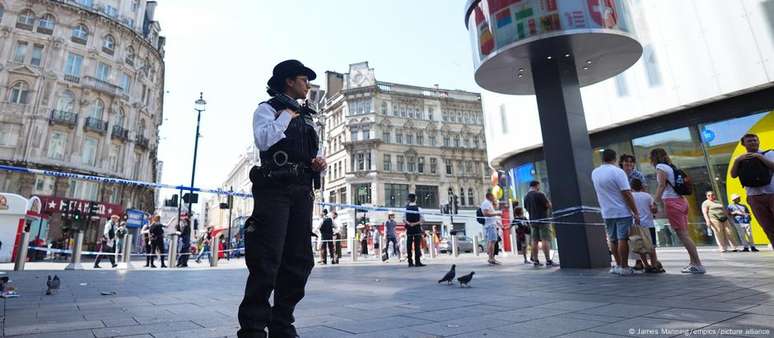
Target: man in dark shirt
<point x="413" y="231"/>
<point x="537" y="205"/>
<point x="389" y="230"/>
<point x="326" y="232"/>
<point x="157" y="239"/>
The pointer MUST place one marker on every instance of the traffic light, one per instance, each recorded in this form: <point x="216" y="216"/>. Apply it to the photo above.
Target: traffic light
<point x="65" y="209"/>
<point x="171" y="202"/>
<point x="230" y="201"/>
<point x="190" y="198"/>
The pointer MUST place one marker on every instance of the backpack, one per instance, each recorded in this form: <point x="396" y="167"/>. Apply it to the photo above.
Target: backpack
<point x="480" y="216"/>
<point x="682" y="184"/>
<point x="754" y="173"/>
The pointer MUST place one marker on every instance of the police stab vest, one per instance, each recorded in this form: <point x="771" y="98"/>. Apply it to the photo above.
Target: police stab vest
<point x="299" y="146"/>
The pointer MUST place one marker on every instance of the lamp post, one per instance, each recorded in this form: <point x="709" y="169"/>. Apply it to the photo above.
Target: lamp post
<point x="199" y="106"/>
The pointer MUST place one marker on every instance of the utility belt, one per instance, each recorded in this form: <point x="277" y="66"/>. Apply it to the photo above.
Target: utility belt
<point x="279" y="170"/>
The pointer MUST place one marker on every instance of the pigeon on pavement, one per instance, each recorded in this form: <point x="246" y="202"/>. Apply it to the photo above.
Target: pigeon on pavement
<point x="52" y="284"/>
<point x="465" y="280"/>
<point x="449" y="277"/>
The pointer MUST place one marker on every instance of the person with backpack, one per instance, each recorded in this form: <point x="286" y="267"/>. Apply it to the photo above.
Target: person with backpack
<point x="754" y="170"/>
<point x="673" y="185"/>
<point x="107" y="243"/>
<point x="490" y="217"/>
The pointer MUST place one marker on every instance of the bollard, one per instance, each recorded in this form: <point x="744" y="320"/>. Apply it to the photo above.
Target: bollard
<point x="514" y="247"/>
<point x="476" y="252"/>
<point x="75" y="260"/>
<point x="126" y="259"/>
<point x="21" y="255"/>
<point x="214" y="252"/>
<point x="455" y="251"/>
<point x="353" y="249"/>
<point x="173" y="250"/>
<point x="431" y="246"/>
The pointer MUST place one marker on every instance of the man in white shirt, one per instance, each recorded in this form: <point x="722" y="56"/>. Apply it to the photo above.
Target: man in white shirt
<point x="490" y="225"/>
<point x="618" y="209"/>
<point x="760" y="199"/>
<point x="107" y="242"/>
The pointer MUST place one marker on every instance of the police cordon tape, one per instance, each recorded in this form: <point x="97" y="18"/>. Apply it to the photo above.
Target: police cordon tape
<point x="97" y="253"/>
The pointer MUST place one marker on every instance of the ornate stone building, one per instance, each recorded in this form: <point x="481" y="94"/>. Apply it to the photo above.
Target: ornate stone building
<point x="81" y="91"/>
<point x="384" y="140"/>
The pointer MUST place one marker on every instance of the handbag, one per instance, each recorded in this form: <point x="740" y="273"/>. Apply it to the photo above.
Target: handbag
<point x="639" y="240"/>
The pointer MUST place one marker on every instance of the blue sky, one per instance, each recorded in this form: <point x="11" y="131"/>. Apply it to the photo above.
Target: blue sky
<point x="228" y="48"/>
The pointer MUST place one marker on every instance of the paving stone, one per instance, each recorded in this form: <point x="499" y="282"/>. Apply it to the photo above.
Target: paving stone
<point x="142" y="329"/>
<point x="460" y="326"/>
<point x="322" y="332"/>
<point x="60" y="334"/>
<point x="622" y="310"/>
<point x="369" y="325"/>
<point x="51" y="327"/>
<point x="549" y="326"/>
<point x="693" y="315"/>
<point x="639" y="327"/>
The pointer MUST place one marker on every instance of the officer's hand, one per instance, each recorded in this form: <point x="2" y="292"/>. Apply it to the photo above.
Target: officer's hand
<point x="319" y="164"/>
<point x="293" y="114"/>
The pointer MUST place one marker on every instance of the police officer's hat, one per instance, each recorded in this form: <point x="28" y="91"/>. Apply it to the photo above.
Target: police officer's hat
<point x="287" y="69"/>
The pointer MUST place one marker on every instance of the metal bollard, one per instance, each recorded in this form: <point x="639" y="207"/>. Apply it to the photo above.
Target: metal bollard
<point x="514" y="247"/>
<point x="353" y="249"/>
<point x="21" y="255"/>
<point x="75" y="261"/>
<point x="455" y="251"/>
<point x="127" y="250"/>
<point x="172" y="250"/>
<point x="475" y="246"/>
<point x="214" y="251"/>
<point x="431" y="246"/>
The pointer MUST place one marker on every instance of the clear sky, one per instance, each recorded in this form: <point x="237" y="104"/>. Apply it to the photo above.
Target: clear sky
<point x="227" y="49"/>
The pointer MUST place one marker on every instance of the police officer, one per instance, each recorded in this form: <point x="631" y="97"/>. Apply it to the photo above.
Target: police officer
<point x="278" y="249"/>
<point x="413" y="231"/>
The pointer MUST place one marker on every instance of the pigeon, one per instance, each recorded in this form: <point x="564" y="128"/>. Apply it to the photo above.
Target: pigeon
<point x="52" y="284"/>
<point x="449" y="276"/>
<point x="465" y="280"/>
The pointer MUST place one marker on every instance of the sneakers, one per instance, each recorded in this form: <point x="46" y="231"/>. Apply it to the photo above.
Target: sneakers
<point x="536" y="264"/>
<point x="745" y="249"/>
<point x="627" y="271"/>
<point x="614" y="270"/>
<point x="694" y="269"/>
<point x="753" y="249"/>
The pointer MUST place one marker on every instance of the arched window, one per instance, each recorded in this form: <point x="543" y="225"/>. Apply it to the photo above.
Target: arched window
<point x="46" y="24"/>
<point x="80" y="34"/>
<point x="462" y="196"/>
<point x="97" y="109"/>
<point x="66" y="102"/>
<point x="26" y="20"/>
<point x="109" y="44"/>
<point x="19" y="93"/>
<point x="471" y="197"/>
<point x="130" y="56"/>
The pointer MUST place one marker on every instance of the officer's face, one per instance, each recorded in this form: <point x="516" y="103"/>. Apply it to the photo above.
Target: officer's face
<point x="298" y="87"/>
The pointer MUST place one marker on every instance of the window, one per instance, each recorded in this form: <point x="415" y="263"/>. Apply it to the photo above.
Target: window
<point x="366" y="134"/>
<point x="8" y="135"/>
<point x="446" y="142"/>
<point x="80" y="34"/>
<point x="461" y="168"/>
<point x="37" y="55"/>
<point x="89" y="151"/>
<point x="421" y="164"/>
<point x="353" y="135"/>
<point x="2" y="11"/>
<point x="420" y="139"/>
<point x="26" y="20"/>
<point x="387" y="162"/>
<point x="109" y="44"/>
<point x="73" y="65"/>
<point x="362" y="193"/>
<point x="433" y="165"/>
<point x="44" y="185"/>
<point x="19" y="93"/>
<point x="111" y="11"/>
<point x="386" y="135"/>
<point x="620" y="85"/>
<point x="46" y="24"/>
<point x="125" y="83"/>
<point x="97" y="109"/>
<point x="456" y="141"/>
<point x="432" y="141"/>
<point x="384" y="108"/>
<point x="118" y="118"/>
<point x="135" y="5"/>
<point x="412" y="163"/>
<point x="56" y="145"/>
<point x="86" y="3"/>
<point x="83" y="190"/>
<point x="368" y="161"/>
<point x="103" y="71"/>
<point x="395" y="195"/>
<point x="469" y="167"/>
<point x="360" y="161"/>
<point x="130" y="56"/>
<point x="399" y="163"/>
<point x="343" y="195"/>
<point x="115" y="154"/>
<point x="449" y="168"/>
<point x="141" y="128"/>
<point x="399" y="138"/>
<point x="20" y="52"/>
<point x="427" y="196"/>
<point x="429" y="113"/>
<point x="409" y="138"/>
<point x="65" y="102"/>
<point x="332" y="196"/>
<point x="471" y="200"/>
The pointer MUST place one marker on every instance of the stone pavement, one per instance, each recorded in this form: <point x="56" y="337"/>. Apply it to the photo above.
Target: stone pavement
<point x="370" y="299"/>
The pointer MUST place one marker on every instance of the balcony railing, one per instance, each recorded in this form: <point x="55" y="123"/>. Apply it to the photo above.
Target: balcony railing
<point x="141" y="141"/>
<point x="102" y="86"/>
<point x="95" y="125"/>
<point x="63" y="117"/>
<point x="120" y="133"/>
<point x="72" y="78"/>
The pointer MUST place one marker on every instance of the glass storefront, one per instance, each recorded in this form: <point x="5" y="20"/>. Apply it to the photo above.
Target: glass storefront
<point x="703" y="151"/>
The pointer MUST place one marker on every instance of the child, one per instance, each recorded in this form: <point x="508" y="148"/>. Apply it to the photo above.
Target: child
<point x="646" y="207"/>
<point x="519" y="222"/>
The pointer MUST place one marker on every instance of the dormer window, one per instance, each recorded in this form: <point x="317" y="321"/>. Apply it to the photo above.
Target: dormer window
<point x="46" y="24"/>
<point x="109" y="44"/>
<point x="80" y="34"/>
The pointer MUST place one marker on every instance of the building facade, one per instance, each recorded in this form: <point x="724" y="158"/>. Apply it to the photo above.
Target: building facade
<point x="703" y="81"/>
<point x="81" y="91"/>
<point x="238" y="179"/>
<point x="383" y="140"/>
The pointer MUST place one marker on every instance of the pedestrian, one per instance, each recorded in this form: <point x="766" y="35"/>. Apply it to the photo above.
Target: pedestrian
<point x="618" y="209"/>
<point x="519" y="225"/>
<point x="491" y="216"/>
<point x="675" y="205"/>
<point x="389" y="230"/>
<point x="364" y="240"/>
<point x="326" y="233"/>
<point x="538" y="205"/>
<point x="413" y="220"/>
<point x="629" y="165"/>
<point x="185" y="242"/>
<point x="146" y="242"/>
<point x="337" y="236"/>
<point x="741" y="215"/>
<point x="646" y="207"/>
<point x="754" y="170"/>
<point x="120" y="235"/>
<point x="206" y="242"/>
<point x="157" y="240"/>
<point x="278" y="233"/>
<point x="107" y="242"/>
<point x="437" y="240"/>
<point x="716" y="216"/>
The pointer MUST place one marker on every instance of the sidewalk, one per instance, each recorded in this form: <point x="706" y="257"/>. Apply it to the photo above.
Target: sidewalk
<point x="372" y="299"/>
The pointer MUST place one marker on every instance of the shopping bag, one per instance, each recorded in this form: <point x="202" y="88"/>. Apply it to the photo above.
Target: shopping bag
<point x="639" y="240"/>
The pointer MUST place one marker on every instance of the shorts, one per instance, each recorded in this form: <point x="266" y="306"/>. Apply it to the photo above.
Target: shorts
<point x="541" y="232"/>
<point x="677" y="213"/>
<point x="490" y="234"/>
<point x="618" y="228"/>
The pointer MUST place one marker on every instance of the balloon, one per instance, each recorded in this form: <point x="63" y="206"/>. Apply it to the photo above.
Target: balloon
<point x="498" y="192"/>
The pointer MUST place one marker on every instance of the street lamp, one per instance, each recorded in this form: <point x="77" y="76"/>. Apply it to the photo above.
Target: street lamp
<point x="199" y="107"/>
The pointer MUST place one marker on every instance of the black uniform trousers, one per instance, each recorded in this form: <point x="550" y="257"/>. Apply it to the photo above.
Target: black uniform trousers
<point x="414" y="240"/>
<point x="328" y="247"/>
<point x="107" y="249"/>
<point x="337" y="236"/>
<point x="278" y="254"/>
<point x="157" y="246"/>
